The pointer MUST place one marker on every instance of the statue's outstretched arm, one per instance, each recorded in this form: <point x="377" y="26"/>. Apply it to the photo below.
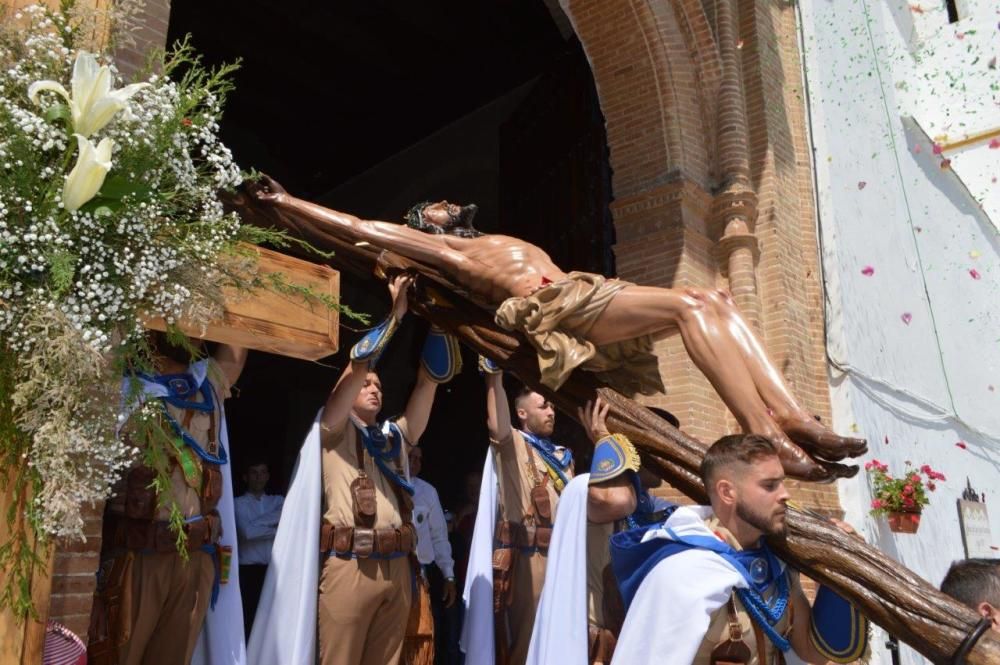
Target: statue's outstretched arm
<point x="318" y="223"/>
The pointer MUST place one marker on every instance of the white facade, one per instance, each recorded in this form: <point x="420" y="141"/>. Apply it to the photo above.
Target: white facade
<point x="911" y="251"/>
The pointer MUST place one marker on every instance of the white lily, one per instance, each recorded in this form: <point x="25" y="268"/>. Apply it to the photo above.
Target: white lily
<point x="87" y="176"/>
<point x="93" y="103"/>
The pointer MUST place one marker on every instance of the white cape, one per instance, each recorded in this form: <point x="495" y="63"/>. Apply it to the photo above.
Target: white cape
<point x="284" y="630"/>
<point x="670" y="613"/>
<point x="561" y="632"/>
<point x="221" y="639"/>
<point x="477" y="629"/>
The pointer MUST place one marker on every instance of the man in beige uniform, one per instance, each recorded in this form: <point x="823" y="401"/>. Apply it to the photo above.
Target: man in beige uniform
<point x="532" y="471"/>
<point x="367" y="535"/>
<point x="150" y="604"/>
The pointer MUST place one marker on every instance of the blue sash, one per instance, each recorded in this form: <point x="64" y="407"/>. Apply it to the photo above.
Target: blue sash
<point x="632" y="560"/>
<point x="181" y="388"/>
<point x="383" y="452"/>
<point x="547" y="451"/>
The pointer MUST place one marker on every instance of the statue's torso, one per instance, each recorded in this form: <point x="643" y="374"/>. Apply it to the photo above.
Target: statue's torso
<point x="502" y="267"/>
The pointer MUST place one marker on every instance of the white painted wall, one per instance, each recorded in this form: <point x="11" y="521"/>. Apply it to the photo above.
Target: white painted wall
<point x="915" y="346"/>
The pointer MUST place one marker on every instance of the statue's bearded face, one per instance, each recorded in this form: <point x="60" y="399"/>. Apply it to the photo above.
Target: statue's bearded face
<point x="445" y="217"/>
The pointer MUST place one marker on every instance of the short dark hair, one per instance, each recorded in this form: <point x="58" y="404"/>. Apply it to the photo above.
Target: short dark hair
<point x="973" y="581"/>
<point x="732" y="449"/>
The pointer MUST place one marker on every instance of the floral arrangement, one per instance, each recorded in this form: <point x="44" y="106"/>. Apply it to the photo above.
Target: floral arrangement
<point x="109" y="213"/>
<point x="905" y="494"/>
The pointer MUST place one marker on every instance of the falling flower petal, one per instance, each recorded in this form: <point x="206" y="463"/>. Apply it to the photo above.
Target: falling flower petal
<point x="974" y="274"/>
<point x="961" y="444"/>
<point x="887" y="439"/>
<point x="906" y="317"/>
<point x="916" y="9"/>
<point x="959" y="35"/>
<point x="936" y="149"/>
<point x="862" y="184"/>
<point x="917" y="149"/>
<point x="945" y="164"/>
<point x="868" y="271"/>
<point x="994" y="144"/>
<point x="739" y="44"/>
<point x="974" y="254"/>
<point x="854" y="427"/>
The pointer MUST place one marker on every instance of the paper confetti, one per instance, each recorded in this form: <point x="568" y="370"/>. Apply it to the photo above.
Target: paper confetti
<point x="862" y="184"/>
<point x="994" y="144"/>
<point x="937" y="149"/>
<point x="887" y="439"/>
<point x="974" y="254"/>
<point x="739" y="44"/>
<point x="906" y="317"/>
<point x="961" y="444"/>
<point x="974" y="274"/>
<point x="945" y="164"/>
<point x="868" y="271"/>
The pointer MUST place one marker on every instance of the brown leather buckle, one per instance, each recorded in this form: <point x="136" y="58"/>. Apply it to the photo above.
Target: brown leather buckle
<point x="364" y="542"/>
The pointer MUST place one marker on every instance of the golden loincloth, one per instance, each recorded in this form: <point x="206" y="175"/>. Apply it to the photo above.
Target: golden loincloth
<point x="556" y="319"/>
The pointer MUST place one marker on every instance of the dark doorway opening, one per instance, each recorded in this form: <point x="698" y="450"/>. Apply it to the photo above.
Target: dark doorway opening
<point x="369" y="107"/>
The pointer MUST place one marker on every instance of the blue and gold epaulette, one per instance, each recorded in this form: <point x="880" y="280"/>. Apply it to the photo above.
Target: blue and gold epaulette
<point x="487" y="366"/>
<point x="613" y="456"/>
<point x="441" y="356"/>
<point x="838" y="630"/>
<point x="370" y="346"/>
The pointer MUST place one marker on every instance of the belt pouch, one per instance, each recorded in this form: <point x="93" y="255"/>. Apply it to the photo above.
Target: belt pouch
<point x="363" y="500"/>
<point x="387" y="541"/>
<point x="543" y="506"/>
<point x="543" y="535"/>
<point x="342" y="539"/>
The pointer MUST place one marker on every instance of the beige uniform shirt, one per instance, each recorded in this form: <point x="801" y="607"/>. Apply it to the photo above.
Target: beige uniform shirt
<point x="518" y="468"/>
<point x="187" y="497"/>
<point x="718" y="627"/>
<point x="340" y="469"/>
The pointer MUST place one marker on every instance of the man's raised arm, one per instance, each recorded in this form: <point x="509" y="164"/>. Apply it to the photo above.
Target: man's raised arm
<point x="497" y="409"/>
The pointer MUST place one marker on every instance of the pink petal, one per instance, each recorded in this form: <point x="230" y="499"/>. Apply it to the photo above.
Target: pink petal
<point x="945" y="164"/>
<point x="906" y="317"/>
<point x="936" y="149"/>
<point x="974" y="274"/>
<point x="868" y="271"/>
<point x="961" y="444"/>
<point x="862" y="184"/>
<point x="917" y="149"/>
<point x="994" y="144"/>
<point x="959" y="35"/>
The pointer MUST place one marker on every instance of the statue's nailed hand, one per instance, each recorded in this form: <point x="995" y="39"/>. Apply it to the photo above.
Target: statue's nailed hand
<point x="398" y="287"/>
<point x="266" y="190"/>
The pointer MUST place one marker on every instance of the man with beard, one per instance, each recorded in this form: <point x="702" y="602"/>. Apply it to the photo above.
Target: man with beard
<point x="585" y="320"/>
<point x="703" y="587"/>
<point x="529" y="472"/>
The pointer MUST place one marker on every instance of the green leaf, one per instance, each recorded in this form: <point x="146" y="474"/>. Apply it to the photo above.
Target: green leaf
<point x="57" y="112"/>
<point x="116" y="188"/>
<point x="62" y="268"/>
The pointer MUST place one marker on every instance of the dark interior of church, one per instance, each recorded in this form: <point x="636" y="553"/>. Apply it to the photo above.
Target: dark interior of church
<point x="369" y="107"/>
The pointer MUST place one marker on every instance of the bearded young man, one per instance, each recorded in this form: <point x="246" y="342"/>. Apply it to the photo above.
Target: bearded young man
<point x="357" y="464"/>
<point x="704" y="587"/>
<point x="527" y="472"/>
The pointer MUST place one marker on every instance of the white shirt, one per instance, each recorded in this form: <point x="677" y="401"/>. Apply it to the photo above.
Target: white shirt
<point x="256" y="524"/>
<point x="432" y="530"/>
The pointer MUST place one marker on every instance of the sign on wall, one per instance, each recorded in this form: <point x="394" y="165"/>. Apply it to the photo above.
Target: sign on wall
<point x="975" y="524"/>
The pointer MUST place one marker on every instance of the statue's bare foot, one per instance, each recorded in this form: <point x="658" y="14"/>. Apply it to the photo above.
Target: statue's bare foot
<point x="820" y="441"/>
<point x="798" y="464"/>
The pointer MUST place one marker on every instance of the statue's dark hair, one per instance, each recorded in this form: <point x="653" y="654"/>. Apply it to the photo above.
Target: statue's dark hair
<point x="415" y="220"/>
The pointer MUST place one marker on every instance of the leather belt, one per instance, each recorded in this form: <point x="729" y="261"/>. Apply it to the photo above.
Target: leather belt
<point x="157" y="536"/>
<point x="363" y="543"/>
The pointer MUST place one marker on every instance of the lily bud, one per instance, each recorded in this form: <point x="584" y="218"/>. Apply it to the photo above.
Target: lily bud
<point x="87" y="176"/>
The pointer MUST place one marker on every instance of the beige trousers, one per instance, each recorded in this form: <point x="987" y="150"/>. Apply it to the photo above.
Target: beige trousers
<point x="170" y="598"/>
<point x="529" y="575"/>
<point x="363" y="608"/>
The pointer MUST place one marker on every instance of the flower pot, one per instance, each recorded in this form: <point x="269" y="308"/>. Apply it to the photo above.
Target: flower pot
<point x="904" y="522"/>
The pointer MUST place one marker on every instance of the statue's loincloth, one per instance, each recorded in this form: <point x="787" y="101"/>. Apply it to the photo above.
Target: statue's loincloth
<point x="556" y="319"/>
